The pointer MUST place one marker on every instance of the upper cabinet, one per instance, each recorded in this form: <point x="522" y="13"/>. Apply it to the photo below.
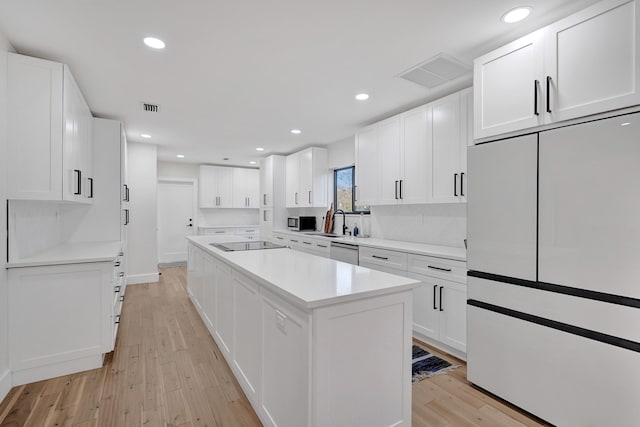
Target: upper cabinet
<point x="306" y="178"/>
<point x="246" y="188"/>
<point x="226" y="187"/>
<point x="49" y="133"/>
<point x="216" y="187"/>
<point x="447" y="140"/>
<point x="416" y="157"/>
<point x="584" y="64"/>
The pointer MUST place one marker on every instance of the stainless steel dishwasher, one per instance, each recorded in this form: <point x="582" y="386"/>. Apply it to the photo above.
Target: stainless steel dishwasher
<point x="345" y="252"/>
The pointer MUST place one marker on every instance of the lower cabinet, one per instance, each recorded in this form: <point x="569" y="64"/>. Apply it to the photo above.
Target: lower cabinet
<point x="295" y="375"/>
<point x="62" y="319"/>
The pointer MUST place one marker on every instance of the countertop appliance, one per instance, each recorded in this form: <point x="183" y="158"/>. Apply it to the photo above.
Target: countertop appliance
<point x="245" y="246"/>
<point x="345" y="252"/>
<point x="301" y="223"/>
<point x="554" y="279"/>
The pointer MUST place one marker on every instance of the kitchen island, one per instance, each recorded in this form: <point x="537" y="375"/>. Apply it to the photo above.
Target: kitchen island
<point x="312" y="341"/>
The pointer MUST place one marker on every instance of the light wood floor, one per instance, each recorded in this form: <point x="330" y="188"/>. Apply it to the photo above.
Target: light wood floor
<point x="167" y="371"/>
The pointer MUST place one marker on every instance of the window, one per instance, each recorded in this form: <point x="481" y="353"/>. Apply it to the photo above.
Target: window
<point x="343" y="191"/>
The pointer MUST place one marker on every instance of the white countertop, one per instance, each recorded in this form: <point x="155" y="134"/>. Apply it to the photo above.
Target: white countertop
<point x="72" y="253"/>
<point x="228" y="226"/>
<point x="306" y="280"/>
<point x="448" y="252"/>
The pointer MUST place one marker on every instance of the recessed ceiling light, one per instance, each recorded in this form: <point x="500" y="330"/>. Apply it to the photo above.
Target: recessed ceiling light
<point x="154" y="42"/>
<point x="625" y="124"/>
<point x="296" y="131"/>
<point x="180" y="156"/>
<point x="145" y="135"/>
<point x="259" y="149"/>
<point x="252" y="162"/>
<point x="517" y="14"/>
<point x="362" y="96"/>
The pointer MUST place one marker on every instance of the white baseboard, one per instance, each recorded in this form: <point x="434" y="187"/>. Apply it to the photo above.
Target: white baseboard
<point x="440" y="346"/>
<point x="134" y="279"/>
<point x="5" y="384"/>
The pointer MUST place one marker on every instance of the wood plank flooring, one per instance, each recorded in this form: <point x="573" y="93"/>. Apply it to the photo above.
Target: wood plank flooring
<point x="167" y="371"/>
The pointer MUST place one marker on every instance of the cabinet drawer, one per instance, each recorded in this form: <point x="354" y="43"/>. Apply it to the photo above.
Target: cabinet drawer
<point x="247" y="230"/>
<point x="438" y="267"/>
<point x="209" y="231"/>
<point x="383" y="258"/>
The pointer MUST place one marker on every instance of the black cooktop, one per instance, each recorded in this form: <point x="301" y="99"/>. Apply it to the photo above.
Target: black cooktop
<point x="245" y="246"/>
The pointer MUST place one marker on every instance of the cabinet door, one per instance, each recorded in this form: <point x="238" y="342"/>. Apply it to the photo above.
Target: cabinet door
<point x="34" y="128"/>
<point x="425" y="310"/>
<point x="225" y="187"/>
<point x="208" y="187"/>
<point x="466" y="138"/>
<point x="224" y="308"/>
<point x="507" y="87"/>
<point x="253" y="188"/>
<point x="389" y="161"/>
<point x="452" y="305"/>
<point x="75" y="142"/>
<point x="502" y="206"/>
<point x="444" y="142"/>
<point x="266" y="182"/>
<point x="593" y="60"/>
<point x="247" y="332"/>
<point x="367" y="166"/>
<point x="415" y="159"/>
<point x="209" y="292"/>
<point x="240" y="190"/>
<point x="292" y="180"/>
<point x="305" y="177"/>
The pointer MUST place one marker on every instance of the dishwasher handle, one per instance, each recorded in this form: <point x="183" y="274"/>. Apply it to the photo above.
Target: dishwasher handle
<point x="344" y="245"/>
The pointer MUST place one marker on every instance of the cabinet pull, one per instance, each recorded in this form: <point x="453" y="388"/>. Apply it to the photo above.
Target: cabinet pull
<point x="116" y="289"/>
<point x="322" y="246"/>
<point x="455" y="184"/>
<point x="434" y="297"/>
<point x="438" y="268"/>
<point x="126" y="217"/>
<point x="78" y="182"/>
<point x="296" y="198"/>
<point x="121" y="274"/>
<point x="462" y="183"/>
<point x="295" y="241"/>
<point x="116" y="264"/>
<point x="401" y="196"/>
<point x="306" y="243"/>
<point x="117" y="319"/>
<point x="279" y="238"/>
<point x="120" y="253"/>
<point x="379" y="257"/>
<point x="264" y="216"/>
<point x="264" y="199"/>
<point x="90" y="188"/>
<point x="548" y="94"/>
<point x="441" y="287"/>
<point x="122" y="298"/>
<point x="126" y="193"/>
<point x="219" y="231"/>
<point x="396" y="188"/>
<point x="536" y="83"/>
<point x="309" y="196"/>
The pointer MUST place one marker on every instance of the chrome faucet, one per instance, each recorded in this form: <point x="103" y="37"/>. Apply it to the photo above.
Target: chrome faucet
<point x="344" y="220"/>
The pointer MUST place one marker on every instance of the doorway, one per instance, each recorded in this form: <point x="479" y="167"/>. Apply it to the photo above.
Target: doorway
<point x="176" y="219"/>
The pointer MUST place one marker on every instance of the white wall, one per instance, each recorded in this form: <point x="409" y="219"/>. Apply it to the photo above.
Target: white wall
<point x="5" y="377"/>
<point x="178" y="170"/>
<point x="143" y="227"/>
<point x="342" y="153"/>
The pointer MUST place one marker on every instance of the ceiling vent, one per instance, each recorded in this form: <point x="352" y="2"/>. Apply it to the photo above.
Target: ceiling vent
<point x="435" y="71"/>
<point x="150" y="108"/>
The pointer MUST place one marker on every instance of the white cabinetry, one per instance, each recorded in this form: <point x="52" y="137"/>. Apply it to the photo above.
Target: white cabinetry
<point x="447" y="141"/>
<point x="272" y="194"/>
<point x="367" y="166"/>
<point x="246" y="336"/>
<point x="388" y="161"/>
<point x="306" y="178"/>
<point x="566" y="70"/>
<point x="246" y="188"/>
<point x="49" y="133"/>
<point x="61" y="319"/>
<point x="216" y="187"/>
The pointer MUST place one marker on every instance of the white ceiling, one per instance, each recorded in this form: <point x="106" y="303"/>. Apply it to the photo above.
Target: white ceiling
<point x="239" y="74"/>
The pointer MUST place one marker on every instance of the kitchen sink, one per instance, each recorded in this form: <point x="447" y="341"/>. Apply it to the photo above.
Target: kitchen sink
<point x="318" y="233"/>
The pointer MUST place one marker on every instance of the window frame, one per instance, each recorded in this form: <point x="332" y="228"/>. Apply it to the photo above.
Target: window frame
<point x="354" y="209"/>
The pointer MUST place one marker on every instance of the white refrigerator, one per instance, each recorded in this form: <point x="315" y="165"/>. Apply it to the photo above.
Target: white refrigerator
<point x="554" y="272"/>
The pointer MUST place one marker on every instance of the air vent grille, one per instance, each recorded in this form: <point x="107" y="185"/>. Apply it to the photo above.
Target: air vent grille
<point x="151" y="108"/>
<point x="435" y="71"/>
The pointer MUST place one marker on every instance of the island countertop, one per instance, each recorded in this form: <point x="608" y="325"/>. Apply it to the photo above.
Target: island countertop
<point x="308" y="281"/>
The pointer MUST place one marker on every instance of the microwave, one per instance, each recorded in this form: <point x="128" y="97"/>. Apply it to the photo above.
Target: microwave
<point x="301" y="223"/>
